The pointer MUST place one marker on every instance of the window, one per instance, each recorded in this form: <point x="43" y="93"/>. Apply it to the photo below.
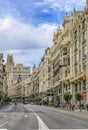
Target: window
<point x="79" y="68"/>
<point x="75" y="34"/>
<point x="76" y="59"/>
<point x="66" y="73"/>
<point x="84" y="24"/>
<point x="76" y="87"/>
<point x="84" y="65"/>
<point x="65" y="61"/>
<point x="68" y="61"/>
<point x="84" y="51"/>
<point x="79" y="28"/>
<point x="55" y="43"/>
<point x="84" y="85"/>
<point x="65" y="51"/>
<point x="66" y="88"/>
<point x="84" y="37"/>
<point x="76" y="45"/>
<point x="59" y="90"/>
<point x="76" y="71"/>
<point x="79" y="86"/>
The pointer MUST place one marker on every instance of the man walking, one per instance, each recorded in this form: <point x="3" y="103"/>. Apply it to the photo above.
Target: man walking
<point x="87" y="107"/>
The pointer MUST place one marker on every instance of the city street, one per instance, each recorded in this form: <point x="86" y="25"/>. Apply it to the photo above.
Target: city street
<point x="43" y="65"/>
<point x="25" y="117"/>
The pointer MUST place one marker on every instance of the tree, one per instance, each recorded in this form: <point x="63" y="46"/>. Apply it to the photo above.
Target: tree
<point x="0" y="97"/>
<point x="48" y="102"/>
<point x="57" y="98"/>
<point x="67" y="97"/>
<point x="78" y="96"/>
<point x="7" y="99"/>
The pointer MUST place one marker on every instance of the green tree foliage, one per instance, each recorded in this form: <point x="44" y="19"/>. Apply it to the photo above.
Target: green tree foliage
<point x="67" y="97"/>
<point x="78" y="96"/>
<point x="0" y="97"/>
<point x="58" y="98"/>
<point x="8" y="99"/>
<point x="35" y="99"/>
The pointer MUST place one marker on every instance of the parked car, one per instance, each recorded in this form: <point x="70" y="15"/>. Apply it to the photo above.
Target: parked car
<point x="25" y="102"/>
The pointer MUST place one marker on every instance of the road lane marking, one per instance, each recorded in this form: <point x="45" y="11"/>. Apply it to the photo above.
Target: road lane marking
<point x="8" y="109"/>
<point x="3" y="113"/>
<point x="3" y="129"/>
<point x="42" y="125"/>
<point x="3" y="124"/>
<point x="4" y="116"/>
<point x="24" y="106"/>
<point x="26" y="116"/>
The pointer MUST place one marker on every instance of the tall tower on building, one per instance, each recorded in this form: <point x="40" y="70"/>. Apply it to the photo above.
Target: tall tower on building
<point x="33" y="68"/>
<point x="10" y="60"/>
<point x="9" y="63"/>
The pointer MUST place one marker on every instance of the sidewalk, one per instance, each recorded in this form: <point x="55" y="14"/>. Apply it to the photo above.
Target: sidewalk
<point x="4" y="107"/>
<point x="77" y="113"/>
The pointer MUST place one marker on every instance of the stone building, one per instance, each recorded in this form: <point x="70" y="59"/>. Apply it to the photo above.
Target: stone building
<point x="69" y="54"/>
<point x="14" y="72"/>
<point x="45" y="74"/>
<point x="1" y="74"/>
<point x="3" y="78"/>
<point x="35" y="81"/>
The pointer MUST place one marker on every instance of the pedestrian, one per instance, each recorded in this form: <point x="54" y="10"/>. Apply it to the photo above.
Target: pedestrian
<point x="73" y="106"/>
<point x="80" y="106"/>
<point x="87" y="107"/>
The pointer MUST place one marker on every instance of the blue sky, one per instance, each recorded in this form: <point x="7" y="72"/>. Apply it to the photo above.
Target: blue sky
<point x="27" y="26"/>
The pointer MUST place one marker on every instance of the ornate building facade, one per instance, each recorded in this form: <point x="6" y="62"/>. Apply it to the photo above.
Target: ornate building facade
<point x="15" y="73"/>
<point x="3" y="79"/>
<point x="69" y="55"/>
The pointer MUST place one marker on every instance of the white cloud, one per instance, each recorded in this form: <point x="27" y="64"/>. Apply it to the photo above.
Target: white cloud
<point x="45" y="10"/>
<point x="25" y="41"/>
<point x="27" y="57"/>
<point x="63" y="5"/>
<point x="17" y="35"/>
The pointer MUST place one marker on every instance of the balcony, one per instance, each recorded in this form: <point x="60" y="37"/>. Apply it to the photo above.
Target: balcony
<point x="57" y="83"/>
<point x="77" y="78"/>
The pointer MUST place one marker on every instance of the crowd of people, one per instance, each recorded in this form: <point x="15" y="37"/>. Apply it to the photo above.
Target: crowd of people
<point x="75" y="106"/>
<point x="68" y="106"/>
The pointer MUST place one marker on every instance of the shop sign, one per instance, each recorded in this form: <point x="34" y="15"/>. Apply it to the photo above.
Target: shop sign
<point x="85" y="95"/>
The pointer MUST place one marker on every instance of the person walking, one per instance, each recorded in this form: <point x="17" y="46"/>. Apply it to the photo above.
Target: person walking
<point x="87" y="107"/>
<point x="80" y="106"/>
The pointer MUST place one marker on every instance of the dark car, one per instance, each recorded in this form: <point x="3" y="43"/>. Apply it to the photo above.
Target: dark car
<point x="25" y="102"/>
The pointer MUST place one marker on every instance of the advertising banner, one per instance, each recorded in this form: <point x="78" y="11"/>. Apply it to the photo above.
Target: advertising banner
<point x="85" y="95"/>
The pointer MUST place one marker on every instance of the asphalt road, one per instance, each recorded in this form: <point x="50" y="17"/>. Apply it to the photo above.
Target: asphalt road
<point x="28" y="117"/>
